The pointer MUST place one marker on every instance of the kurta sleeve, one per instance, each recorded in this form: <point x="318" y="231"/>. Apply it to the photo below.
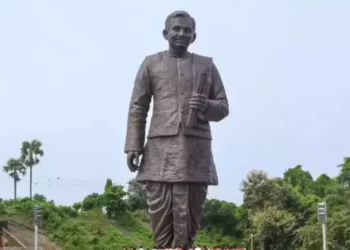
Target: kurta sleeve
<point x="138" y="111"/>
<point x="218" y="107"/>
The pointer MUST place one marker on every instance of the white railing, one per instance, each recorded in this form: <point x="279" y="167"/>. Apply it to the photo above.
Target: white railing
<point x="8" y="235"/>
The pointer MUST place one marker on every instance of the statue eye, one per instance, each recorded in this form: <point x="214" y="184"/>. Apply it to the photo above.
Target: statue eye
<point x="188" y="30"/>
<point x="176" y="28"/>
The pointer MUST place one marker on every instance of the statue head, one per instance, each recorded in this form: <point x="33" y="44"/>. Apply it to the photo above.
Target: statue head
<point x="180" y="30"/>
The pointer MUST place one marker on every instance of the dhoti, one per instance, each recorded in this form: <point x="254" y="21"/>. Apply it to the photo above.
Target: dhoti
<point x="175" y="210"/>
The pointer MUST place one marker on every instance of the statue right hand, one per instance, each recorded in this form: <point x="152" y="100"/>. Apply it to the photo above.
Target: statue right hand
<point x="133" y="160"/>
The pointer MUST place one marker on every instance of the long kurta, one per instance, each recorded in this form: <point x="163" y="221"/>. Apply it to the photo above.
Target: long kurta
<point x="174" y="153"/>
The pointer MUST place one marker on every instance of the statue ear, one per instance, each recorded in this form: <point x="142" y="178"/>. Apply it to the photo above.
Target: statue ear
<point x="165" y="34"/>
<point x="194" y="37"/>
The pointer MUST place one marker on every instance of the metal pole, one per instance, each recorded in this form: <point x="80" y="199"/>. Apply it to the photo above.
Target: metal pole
<point x="251" y="241"/>
<point x="36" y="237"/>
<point x="324" y="236"/>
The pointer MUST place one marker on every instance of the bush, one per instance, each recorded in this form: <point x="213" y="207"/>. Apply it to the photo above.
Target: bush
<point x="2" y="208"/>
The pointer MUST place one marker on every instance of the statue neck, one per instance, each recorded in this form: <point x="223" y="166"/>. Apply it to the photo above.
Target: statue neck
<point x="178" y="54"/>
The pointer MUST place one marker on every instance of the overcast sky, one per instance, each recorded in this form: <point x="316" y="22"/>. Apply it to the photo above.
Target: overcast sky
<point x="67" y="70"/>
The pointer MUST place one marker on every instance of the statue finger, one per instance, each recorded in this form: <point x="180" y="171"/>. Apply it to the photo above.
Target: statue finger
<point x="201" y="98"/>
<point x="129" y="159"/>
<point x="194" y="103"/>
<point x="198" y="95"/>
<point x="198" y="102"/>
<point x="134" y="168"/>
<point x="131" y="167"/>
<point x="195" y="107"/>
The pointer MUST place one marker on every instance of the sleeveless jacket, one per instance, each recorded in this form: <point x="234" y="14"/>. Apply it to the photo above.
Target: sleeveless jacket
<point x="170" y="81"/>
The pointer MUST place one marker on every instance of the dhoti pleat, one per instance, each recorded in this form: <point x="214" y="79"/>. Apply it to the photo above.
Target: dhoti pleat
<point x="175" y="211"/>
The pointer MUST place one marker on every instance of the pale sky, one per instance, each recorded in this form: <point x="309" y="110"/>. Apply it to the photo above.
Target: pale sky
<point x="67" y="70"/>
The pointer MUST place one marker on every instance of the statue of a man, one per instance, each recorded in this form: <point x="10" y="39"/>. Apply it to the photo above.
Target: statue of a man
<point x="177" y="162"/>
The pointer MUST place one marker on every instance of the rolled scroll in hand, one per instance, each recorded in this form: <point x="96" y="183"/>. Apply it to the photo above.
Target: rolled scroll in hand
<point x="200" y="89"/>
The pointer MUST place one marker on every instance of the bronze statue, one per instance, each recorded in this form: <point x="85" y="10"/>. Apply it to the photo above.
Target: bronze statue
<point x="177" y="162"/>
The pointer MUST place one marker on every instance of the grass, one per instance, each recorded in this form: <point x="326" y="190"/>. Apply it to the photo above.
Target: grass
<point x="93" y="230"/>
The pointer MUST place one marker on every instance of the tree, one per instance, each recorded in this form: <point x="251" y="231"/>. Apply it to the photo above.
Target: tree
<point x="344" y="176"/>
<point x="137" y="197"/>
<point x="275" y="228"/>
<point x="220" y="216"/>
<point x="344" y="179"/>
<point x="324" y="185"/>
<point x="259" y="192"/>
<point x="262" y="197"/>
<point x="299" y="178"/>
<point x="92" y="201"/>
<point x="309" y="236"/>
<point x="113" y="199"/>
<point x="39" y="197"/>
<point x="14" y="168"/>
<point x="338" y="233"/>
<point x="31" y="152"/>
<point x="280" y="213"/>
<point x="339" y="230"/>
<point x="255" y="191"/>
<point x="77" y="206"/>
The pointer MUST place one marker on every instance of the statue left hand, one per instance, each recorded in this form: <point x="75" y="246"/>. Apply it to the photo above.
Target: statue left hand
<point x="199" y="102"/>
<point x="133" y="160"/>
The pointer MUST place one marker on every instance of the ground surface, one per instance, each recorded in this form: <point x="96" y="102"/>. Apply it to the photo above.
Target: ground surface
<point x="26" y="235"/>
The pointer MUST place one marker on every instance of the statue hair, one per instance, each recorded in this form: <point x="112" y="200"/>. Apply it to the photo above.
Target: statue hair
<point x="179" y="13"/>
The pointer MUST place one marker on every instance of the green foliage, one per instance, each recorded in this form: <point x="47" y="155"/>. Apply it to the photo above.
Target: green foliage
<point x="210" y="239"/>
<point x="39" y="197"/>
<point x="31" y="152"/>
<point x="112" y="199"/>
<point x="77" y="206"/>
<point x="300" y="179"/>
<point x="14" y="168"/>
<point x="324" y="185"/>
<point x="344" y="176"/>
<point x="2" y="208"/>
<point x="282" y="213"/>
<point x="277" y="213"/>
<point x="276" y="226"/>
<point x="92" y="201"/>
<point x="72" y="230"/>
<point x="219" y="216"/>
<point x="137" y="198"/>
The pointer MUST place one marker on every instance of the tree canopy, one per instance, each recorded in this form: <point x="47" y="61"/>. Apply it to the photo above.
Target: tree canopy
<point x="277" y="213"/>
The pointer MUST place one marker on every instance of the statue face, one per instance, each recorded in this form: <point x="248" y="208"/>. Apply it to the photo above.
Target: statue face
<point x="180" y="33"/>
